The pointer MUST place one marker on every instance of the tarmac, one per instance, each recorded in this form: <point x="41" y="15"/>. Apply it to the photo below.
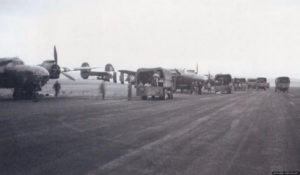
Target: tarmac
<point x="253" y="132"/>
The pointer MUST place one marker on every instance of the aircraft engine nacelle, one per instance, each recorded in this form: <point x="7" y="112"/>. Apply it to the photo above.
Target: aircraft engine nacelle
<point x="110" y="68"/>
<point x="85" y="73"/>
<point x="53" y="69"/>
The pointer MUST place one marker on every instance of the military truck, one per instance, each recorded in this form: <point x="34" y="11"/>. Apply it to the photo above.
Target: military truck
<point x="154" y="82"/>
<point x="251" y="83"/>
<point x="261" y="83"/>
<point x="282" y="84"/>
<point x="239" y="84"/>
<point x="223" y="83"/>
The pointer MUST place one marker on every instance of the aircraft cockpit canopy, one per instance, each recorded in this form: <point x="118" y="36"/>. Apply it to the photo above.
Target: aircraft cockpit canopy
<point x="11" y="61"/>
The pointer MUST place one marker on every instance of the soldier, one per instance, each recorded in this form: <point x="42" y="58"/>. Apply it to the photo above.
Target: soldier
<point x="156" y="77"/>
<point x="209" y="87"/>
<point x="199" y="88"/>
<point x="102" y="89"/>
<point x="129" y="91"/>
<point x="56" y="88"/>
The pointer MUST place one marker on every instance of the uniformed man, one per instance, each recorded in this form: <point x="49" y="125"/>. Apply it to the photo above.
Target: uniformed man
<point x="102" y="89"/>
<point x="156" y="77"/>
<point x="56" y="88"/>
<point x="199" y="88"/>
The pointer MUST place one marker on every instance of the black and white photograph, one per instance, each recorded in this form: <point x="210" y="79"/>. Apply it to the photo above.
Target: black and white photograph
<point x="149" y="87"/>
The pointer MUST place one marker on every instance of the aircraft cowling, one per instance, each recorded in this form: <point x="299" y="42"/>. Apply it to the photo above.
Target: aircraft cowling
<point x="85" y="73"/>
<point x="52" y="68"/>
<point x="109" y="68"/>
<point x="54" y="71"/>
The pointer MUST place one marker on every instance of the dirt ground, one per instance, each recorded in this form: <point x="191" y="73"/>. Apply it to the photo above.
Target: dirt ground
<point x="253" y="132"/>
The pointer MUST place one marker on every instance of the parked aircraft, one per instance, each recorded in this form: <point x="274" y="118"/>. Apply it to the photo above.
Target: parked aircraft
<point x="187" y="79"/>
<point x="108" y="73"/>
<point x="27" y="80"/>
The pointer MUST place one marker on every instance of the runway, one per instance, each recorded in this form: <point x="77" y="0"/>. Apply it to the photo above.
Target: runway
<point x="253" y="132"/>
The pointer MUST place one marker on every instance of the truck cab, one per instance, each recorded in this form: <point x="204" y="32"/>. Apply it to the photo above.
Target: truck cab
<point x="282" y="84"/>
<point x="223" y="83"/>
<point x="261" y="83"/>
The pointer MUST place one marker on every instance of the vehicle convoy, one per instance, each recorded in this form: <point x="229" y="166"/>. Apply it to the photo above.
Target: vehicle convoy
<point x="154" y="82"/>
<point x="251" y="83"/>
<point x="239" y="84"/>
<point x="282" y="84"/>
<point x="223" y="83"/>
<point x="187" y="80"/>
<point x="261" y="83"/>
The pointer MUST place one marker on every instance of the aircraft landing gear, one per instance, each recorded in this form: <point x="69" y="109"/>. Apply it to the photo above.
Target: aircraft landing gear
<point x="20" y="93"/>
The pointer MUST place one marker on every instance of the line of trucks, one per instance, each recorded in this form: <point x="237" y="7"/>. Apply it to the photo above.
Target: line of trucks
<point x="162" y="83"/>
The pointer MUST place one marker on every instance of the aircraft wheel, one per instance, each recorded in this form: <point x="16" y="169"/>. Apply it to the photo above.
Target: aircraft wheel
<point x="165" y="94"/>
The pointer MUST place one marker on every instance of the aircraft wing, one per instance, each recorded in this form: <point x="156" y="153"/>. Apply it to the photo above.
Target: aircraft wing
<point x="129" y="72"/>
<point x="84" y="68"/>
<point x="100" y="74"/>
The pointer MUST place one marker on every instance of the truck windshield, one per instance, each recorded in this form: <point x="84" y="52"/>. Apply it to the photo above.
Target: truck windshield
<point x="223" y="79"/>
<point x="262" y="80"/>
<point x="284" y="80"/>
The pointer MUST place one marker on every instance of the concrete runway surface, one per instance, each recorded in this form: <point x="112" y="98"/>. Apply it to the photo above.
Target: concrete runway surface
<point x="238" y="134"/>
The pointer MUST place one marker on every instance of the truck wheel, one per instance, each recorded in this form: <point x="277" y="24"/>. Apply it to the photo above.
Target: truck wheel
<point x="17" y="94"/>
<point x="171" y="95"/>
<point x="165" y="95"/>
<point x="144" y="97"/>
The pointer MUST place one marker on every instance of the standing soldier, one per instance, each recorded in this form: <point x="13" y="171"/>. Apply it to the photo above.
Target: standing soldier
<point x="156" y="77"/>
<point x="129" y="91"/>
<point x="199" y="88"/>
<point x="102" y="89"/>
<point x="56" y="88"/>
<point x="209" y="86"/>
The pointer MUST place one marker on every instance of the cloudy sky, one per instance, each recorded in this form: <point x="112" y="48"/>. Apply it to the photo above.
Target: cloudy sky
<point x="245" y="38"/>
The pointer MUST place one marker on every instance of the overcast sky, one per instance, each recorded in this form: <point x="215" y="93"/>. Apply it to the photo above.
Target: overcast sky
<point x="245" y="38"/>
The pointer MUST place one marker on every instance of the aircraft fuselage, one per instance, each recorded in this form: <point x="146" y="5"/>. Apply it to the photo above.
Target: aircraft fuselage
<point x="23" y="76"/>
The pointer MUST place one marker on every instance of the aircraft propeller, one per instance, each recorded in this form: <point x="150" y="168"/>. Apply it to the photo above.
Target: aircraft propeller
<point x="55" y="55"/>
<point x="63" y="69"/>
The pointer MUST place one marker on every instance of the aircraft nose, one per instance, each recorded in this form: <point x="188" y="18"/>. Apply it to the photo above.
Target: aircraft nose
<point x="40" y="71"/>
<point x="42" y="74"/>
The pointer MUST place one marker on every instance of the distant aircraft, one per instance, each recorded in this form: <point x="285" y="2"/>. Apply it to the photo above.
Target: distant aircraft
<point x="108" y="73"/>
<point x="187" y="79"/>
<point x="27" y="80"/>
